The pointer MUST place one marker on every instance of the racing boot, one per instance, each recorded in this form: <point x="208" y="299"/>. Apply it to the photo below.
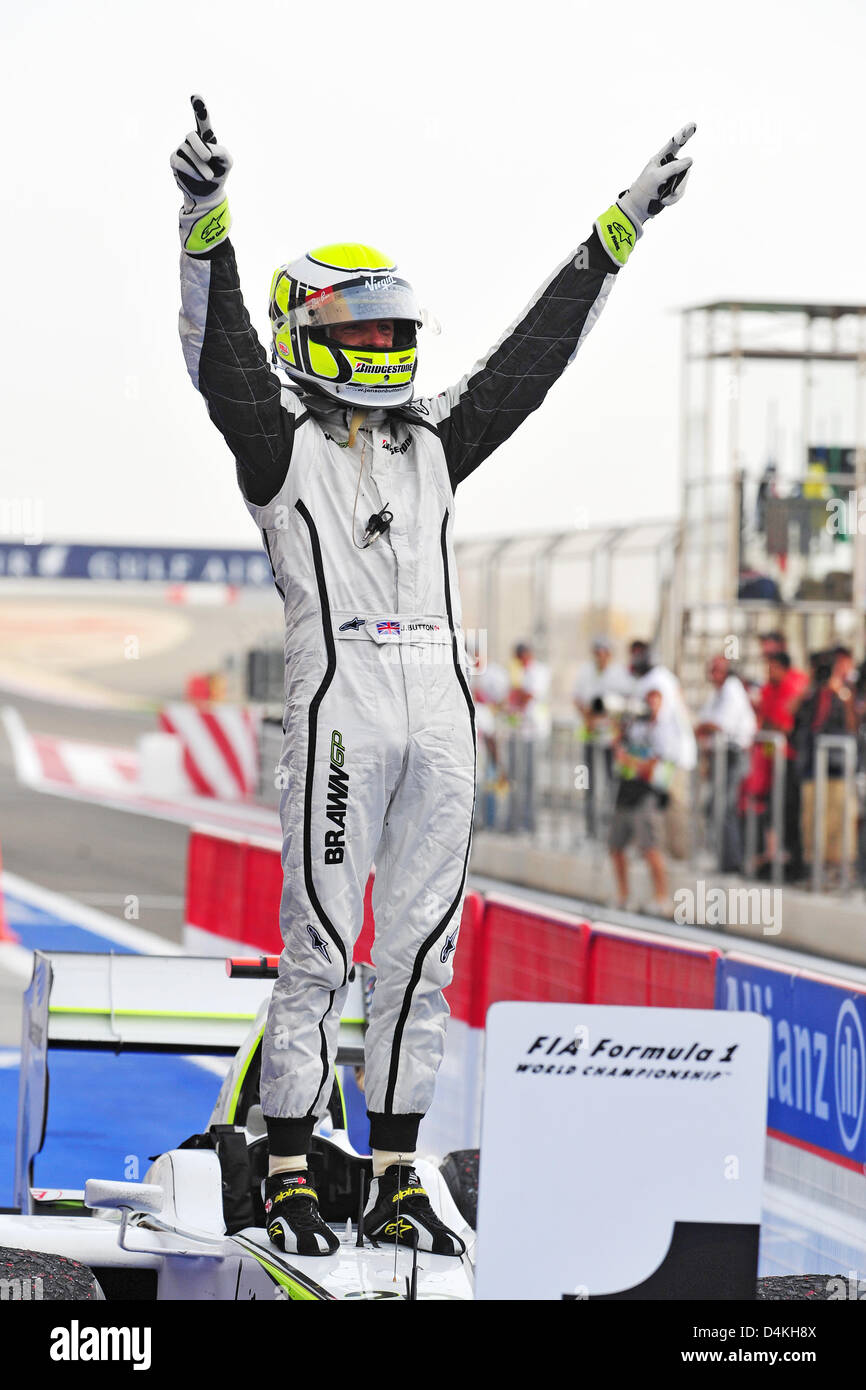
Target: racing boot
<point x="399" y="1212"/>
<point x="292" y="1216"/>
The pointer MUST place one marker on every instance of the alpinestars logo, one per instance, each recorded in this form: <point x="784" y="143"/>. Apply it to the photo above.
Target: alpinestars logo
<point x="449" y="947"/>
<point x="352" y="625"/>
<point x="338" y="796"/>
<point x="319" y="942"/>
<point x="396" y="1229"/>
<point x="619" y="235"/>
<point x="214" y="228"/>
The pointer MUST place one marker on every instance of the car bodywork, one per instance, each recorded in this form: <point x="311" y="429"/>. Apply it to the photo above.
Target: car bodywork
<point x="194" y="1228"/>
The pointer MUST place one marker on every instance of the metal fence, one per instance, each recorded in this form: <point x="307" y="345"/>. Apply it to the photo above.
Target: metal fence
<point x="560" y="792"/>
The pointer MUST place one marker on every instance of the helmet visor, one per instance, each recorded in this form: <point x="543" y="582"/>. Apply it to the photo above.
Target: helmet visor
<point x="355" y="301"/>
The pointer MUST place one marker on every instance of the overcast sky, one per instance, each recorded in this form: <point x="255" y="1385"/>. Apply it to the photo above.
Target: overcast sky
<point x="476" y="143"/>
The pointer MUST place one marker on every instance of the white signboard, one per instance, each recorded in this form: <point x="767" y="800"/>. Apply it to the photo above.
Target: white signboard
<point x="619" y="1146"/>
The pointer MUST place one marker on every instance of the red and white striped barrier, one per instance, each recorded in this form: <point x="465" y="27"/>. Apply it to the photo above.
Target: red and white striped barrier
<point x="71" y="763"/>
<point x="220" y="747"/>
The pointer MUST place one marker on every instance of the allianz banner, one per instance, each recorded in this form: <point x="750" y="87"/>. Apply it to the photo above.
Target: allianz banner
<point x="135" y="564"/>
<point x="817" y="1065"/>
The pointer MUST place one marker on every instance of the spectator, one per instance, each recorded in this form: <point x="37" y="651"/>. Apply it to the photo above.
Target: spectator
<point x="753" y="584"/>
<point x="600" y="678"/>
<point x="844" y="670"/>
<point x="645" y="761"/>
<point x="773" y="643"/>
<point x="727" y="719"/>
<point x="779" y="698"/>
<point x="830" y="708"/>
<point x="767" y="488"/>
<point x="530" y="684"/>
<point x="599" y="694"/>
<point x="651" y="675"/>
<point x="527" y="706"/>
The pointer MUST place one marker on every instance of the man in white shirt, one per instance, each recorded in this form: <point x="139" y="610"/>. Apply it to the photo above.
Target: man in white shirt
<point x="728" y="710"/>
<point x="598" y="679"/>
<point x="527" y="699"/>
<point x="649" y="675"/>
<point x="726" y="727"/>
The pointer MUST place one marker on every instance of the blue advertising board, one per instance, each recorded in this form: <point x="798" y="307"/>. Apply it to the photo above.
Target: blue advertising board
<point x="817" y="1080"/>
<point x="135" y="564"/>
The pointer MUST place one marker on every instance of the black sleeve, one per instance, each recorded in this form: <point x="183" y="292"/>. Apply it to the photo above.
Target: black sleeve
<point x="474" y="417"/>
<point x="255" y="414"/>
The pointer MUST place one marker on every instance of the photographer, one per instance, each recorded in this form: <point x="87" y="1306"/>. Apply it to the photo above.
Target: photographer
<point x="645" y="762"/>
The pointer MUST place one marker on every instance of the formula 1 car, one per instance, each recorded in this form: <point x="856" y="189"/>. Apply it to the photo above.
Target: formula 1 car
<point x="194" y="1228"/>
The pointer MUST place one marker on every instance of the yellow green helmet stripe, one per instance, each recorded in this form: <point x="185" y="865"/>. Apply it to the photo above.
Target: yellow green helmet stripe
<point x="350" y="256"/>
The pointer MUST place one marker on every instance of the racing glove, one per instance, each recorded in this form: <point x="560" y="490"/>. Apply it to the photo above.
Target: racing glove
<point x="658" y="186"/>
<point x="200" y="168"/>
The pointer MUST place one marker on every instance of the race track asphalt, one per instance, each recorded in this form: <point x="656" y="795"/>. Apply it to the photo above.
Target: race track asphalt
<point x="98" y="857"/>
<point x="95" y="855"/>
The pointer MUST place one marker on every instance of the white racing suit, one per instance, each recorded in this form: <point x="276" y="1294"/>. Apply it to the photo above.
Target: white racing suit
<point x="378" y="760"/>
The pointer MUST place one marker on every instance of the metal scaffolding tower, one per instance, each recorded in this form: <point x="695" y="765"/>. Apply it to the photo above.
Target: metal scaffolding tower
<point x="773" y="469"/>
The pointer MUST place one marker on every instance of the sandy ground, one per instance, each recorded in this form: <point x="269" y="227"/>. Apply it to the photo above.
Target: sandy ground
<point x="118" y="649"/>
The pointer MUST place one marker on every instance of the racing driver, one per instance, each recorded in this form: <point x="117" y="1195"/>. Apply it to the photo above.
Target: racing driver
<point x="351" y="480"/>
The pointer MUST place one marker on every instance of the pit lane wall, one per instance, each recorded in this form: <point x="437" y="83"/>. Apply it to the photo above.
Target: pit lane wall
<point x="509" y="949"/>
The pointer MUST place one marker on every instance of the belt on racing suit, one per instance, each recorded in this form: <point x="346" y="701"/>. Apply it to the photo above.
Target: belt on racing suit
<point x="385" y="628"/>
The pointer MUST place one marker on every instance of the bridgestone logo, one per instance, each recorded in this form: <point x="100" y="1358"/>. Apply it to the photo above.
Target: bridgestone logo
<point x="368" y="368"/>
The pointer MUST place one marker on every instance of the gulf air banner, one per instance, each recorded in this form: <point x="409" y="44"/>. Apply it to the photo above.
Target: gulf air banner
<point x="135" y="564"/>
<point x="817" y="1063"/>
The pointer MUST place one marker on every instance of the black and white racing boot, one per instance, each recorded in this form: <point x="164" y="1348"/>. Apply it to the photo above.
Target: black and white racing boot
<point x="399" y="1212"/>
<point x="292" y="1216"/>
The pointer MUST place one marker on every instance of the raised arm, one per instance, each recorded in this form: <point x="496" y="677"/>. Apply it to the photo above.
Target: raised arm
<point x="513" y="378"/>
<point x="256" y="415"/>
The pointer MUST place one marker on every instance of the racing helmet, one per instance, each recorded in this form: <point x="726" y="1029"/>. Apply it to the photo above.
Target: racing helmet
<point x="344" y="283"/>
